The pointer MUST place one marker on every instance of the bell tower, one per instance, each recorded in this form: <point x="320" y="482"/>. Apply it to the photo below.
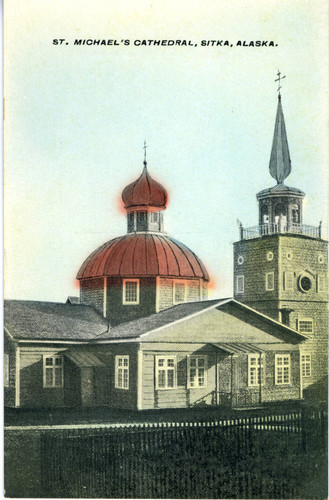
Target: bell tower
<point x="281" y="265"/>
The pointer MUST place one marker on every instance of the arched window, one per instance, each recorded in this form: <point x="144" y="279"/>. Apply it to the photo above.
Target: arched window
<point x="264" y="214"/>
<point x="295" y="214"/>
<point x="280" y="216"/>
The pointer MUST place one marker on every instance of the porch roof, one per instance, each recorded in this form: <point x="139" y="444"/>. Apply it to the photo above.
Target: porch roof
<point x="84" y="359"/>
<point x="238" y="348"/>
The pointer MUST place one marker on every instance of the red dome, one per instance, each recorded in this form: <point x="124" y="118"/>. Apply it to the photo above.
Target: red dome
<point x="143" y="255"/>
<point x="145" y="192"/>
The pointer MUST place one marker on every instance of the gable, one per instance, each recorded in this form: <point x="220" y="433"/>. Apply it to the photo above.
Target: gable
<point x="218" y="325"/>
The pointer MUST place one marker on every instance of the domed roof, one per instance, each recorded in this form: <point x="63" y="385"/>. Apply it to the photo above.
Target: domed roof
<point x="143" y="255"/>
<point x="145" y="192"/>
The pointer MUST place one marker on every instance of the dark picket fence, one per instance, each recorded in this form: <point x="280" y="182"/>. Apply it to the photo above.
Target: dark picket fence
<point x="269" y="456"/>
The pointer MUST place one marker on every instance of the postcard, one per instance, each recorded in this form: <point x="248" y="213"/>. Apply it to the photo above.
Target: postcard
<point x="165" y="249"/>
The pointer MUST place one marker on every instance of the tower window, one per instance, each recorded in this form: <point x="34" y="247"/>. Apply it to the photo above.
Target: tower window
<point x="306" y="365"/>
<point x="305" y="325"/>
<point x="130" y="292"/>
<point x="239" y="284"/>
<point x="131" y="221"/>
<point x="154" y="217"/>
<point x="321" y="283"/>
<point x="305" y="283"/>
<point x="269" y="281"/>
<point x="282" y="369"/>
<point x="288" y="280"/>
<point x="264" y="214"/>
<point x="295" y="214"/>
<point x="141" y="221"/>
<point x="179" y="292"/>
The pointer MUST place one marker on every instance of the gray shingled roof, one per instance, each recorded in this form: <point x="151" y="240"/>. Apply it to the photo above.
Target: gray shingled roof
<point x="137" y="327"/>
<point x="52" y="321"/>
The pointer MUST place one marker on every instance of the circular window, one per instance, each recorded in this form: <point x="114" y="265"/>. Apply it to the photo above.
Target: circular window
<point x="321" y="259"/>
<point x="289" y="255"/>
<point x="269" y="255"/>
<point x="240" y="259"/>
<point x="305" y="283"/>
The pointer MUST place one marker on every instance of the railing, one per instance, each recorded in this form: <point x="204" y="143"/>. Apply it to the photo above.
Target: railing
<point x="280" y="228"/>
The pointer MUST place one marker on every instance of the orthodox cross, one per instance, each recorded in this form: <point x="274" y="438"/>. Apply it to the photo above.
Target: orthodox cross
<point x="145" y="152"/>
<point x="279" y="80"/>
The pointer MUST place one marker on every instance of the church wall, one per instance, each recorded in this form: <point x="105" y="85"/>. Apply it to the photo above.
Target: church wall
<point x="117" y="312"/>
<point x="92" y="292"/>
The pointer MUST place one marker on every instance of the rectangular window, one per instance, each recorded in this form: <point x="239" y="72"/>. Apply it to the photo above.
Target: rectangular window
<point x="141" y="221"/>
<point x="130" y="292"/>
<point x="166" y="372"/>
<point x="282" y="369"/>
<point x="53" y="371"/>
<point x="6" y="370"/>
<point x="321" y="282"/>
<point x="122" y="372"/>
<point x="197" y="371"/>
<point x="154" y="217"/>
<point x="179" y="292"/>
<point x="131" y="221"/>
<point x="255" y="370"/>
<point x="306" y="365"/>
<point x="305" y="325"/>
<point x="239" y="284"/>
<point x="288" y="280"/>
<point x="269" y="282"/>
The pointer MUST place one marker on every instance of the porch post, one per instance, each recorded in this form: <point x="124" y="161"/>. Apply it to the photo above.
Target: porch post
<point x="260" y="377"/>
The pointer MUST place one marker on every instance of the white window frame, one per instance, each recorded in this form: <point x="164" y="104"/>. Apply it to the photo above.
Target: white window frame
<point x="53" y="367"/>
<point x="166" y="368"/>
<point x="288" y="278"/>
<point x="240" y="277"/>
<point x="321" y="283"/>
<point x="124" y="300"/>
<point x="6" y="368"/>
<point x="278" y="368"/>
<point x="181" y="283"/>
<point x="197" y="368"/>
<point x="309" y="321"/>
<point x="120" y="384"/>
<point x="306" y="362"/>
<point x="267" y="287"/>
<point x="260" y="369"/>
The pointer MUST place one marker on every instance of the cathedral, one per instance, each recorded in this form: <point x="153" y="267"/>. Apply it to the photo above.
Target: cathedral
<point x="143" y="335"/>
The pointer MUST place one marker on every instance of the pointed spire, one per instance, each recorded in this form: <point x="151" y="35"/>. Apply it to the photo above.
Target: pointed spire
<point x="145" y="162"/>
<point x="280" y="163"/>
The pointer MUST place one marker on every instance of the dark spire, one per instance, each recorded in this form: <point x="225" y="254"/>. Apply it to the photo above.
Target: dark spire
<point x="280" y="163"/>
<point x="145" y="162"/>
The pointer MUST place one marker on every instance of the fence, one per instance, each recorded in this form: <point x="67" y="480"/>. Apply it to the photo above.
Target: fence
<point x="269" y="456"/>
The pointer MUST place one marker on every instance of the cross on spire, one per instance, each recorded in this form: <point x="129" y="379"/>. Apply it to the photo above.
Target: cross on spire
<point x="144" y="147"/>
<point x="279" y="80"/>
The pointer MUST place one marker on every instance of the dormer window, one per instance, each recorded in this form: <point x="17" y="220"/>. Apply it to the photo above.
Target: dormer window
<point x="130" y="292"/>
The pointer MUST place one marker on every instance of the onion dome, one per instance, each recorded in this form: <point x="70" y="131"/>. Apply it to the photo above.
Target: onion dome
<point x="145" y="192"/>
<point x="143" y="255"/>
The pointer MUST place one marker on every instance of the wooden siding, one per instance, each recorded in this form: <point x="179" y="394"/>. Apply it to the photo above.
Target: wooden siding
<point x="92" y="293"/>
<point x="10" y="391"/>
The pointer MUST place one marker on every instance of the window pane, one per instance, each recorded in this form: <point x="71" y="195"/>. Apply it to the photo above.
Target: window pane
<point x="120" y="377"/>
<point x="125" y="361"/>
<point x="201" y="377"/>
<point x="171" y="362"/>
<point x="170" y="378"/>
<point x="49" y="377"/>
<point x="131" y="291"/>
<point x="125" y="379"/>
<point x="49" y="361"/>
<point x="201" y="362"/>
<point x="58" y="377"/>
<point x="162" y="378"/>
<point x="161" y="362"/>
<point x="192" y="377"/>
<point x="58" y="361"/>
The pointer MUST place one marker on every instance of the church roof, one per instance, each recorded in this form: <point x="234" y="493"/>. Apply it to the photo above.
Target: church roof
<point x="280" y="188"/>
<point x="143" y="254"/>
<point x="145" y="192"/>
<point x="280" y="163"/>
<point x="26" y="319"/>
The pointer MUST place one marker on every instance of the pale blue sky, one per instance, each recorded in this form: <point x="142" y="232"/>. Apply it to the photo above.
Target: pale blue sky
<point x="76" y="119"/>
